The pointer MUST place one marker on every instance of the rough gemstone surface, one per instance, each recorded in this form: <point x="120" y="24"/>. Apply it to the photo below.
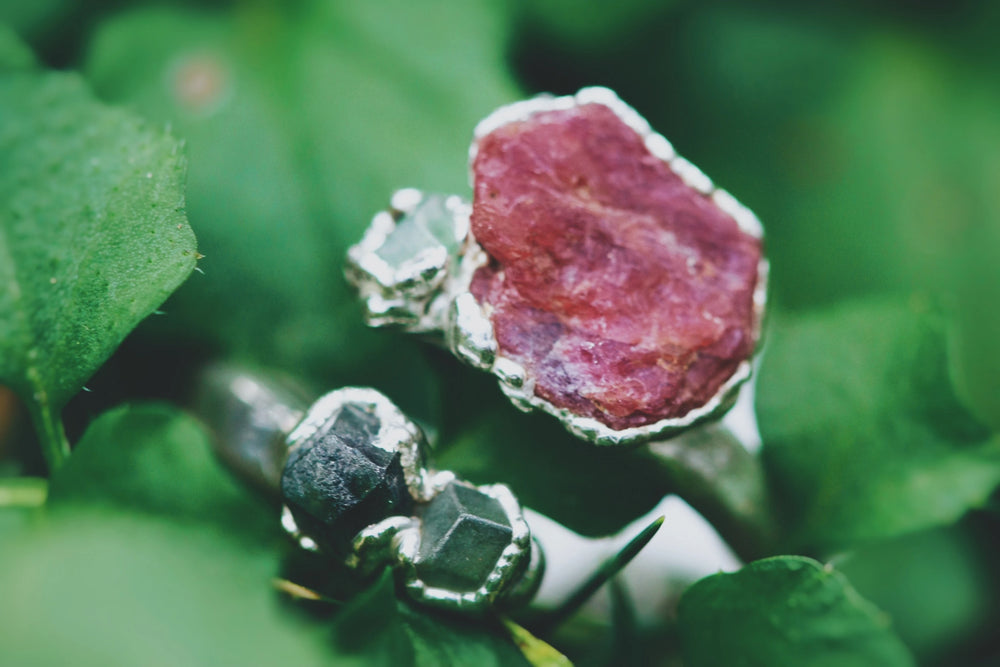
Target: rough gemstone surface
<point x="625" y="294"/>
<point x="463" y="533"/>
<point x="338" y="481"/>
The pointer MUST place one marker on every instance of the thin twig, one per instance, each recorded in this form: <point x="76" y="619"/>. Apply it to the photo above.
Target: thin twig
<point x="607" y="569"/>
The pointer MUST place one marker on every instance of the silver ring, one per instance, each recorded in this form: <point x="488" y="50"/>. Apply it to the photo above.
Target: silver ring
<point x="352" y="475"/>
<point x="614" y="365"/>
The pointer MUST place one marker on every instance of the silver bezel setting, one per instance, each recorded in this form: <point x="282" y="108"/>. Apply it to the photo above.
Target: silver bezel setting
<point x="413" y="295"/>
<point x="396" y="432"/>
<point x="396" y="541"/>
<point x="506" y="570"/>
<point x="466" y="327"/>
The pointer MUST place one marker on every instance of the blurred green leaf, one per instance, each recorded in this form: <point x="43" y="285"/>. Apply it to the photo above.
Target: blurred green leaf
<point x="107" y="590"/>
<point x="863" y="436"/>
<point x="768" y="64"/>
<point x="381" y="629"/>
<point x="909" y="152"/>
<point x="784" y="611"/>
<point x="14" y="54"/>
<point x="93" y="236"/>
<point x="13" y="519"/>
<point x="157" y="459"/>
<point x="32" y="18"/>
<point x="974" y="333"/>
<point x="302" y="120"/>
<point x="589" y="23"/>
<point x="936" y="585"/>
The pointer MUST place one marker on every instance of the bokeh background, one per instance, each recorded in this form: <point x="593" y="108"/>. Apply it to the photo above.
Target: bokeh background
<point x="865" y="135"/>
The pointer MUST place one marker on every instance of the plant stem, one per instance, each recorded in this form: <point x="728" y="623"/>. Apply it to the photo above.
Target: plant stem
<point x="624" y="625"/>
<point x="712" y="471"/>
<point x="51" y="435"/>
<point x="607" y="569"/>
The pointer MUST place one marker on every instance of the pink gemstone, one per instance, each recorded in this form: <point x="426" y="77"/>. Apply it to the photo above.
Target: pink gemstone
<point x="626" y="295"/>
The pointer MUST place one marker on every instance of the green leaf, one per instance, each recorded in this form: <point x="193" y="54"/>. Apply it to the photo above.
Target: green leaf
<point x="590" y="23"/>
<point x="157" y="459"/>
<point x="13" y="519"/>
<point x="381" y="629"/>
<point x="302" y="119"/>
<point x="863" y="436"/>
<point x="14" y="54"/>
<point x="784" y="611"/>
<point x="92" y="237"/>
<point x="103" y="590"/>
<point x="899" y="206"/>
<point x="33" y="18"/>
<point x="938" y="586"/>
<point x="536" y="652"/>
<point x="974" y="331"/>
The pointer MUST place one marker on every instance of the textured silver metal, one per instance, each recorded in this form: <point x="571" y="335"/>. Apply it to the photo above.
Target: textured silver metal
<point x="466" y="328"/>
<point x="513" y="580"/>
<point x="257" y="423"/>
<point x="395" y="540"/>
<point x="413" y="293"/>
<point x="292" y="528"/>
<point x="378" y="544"/>
<point x="249" y="418"/>
<point x="396" y="432"/>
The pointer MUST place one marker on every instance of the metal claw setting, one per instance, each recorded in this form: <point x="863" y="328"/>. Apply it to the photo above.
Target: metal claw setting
<point x="355" y="485"/>
<point x="351" y="473"/>
<point x="415" y="266"/>
<point x="410" y="258"/>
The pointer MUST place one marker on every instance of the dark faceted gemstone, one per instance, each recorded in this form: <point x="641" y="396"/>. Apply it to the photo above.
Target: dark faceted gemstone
<point x="356" y="425"/>
<point x="463" y="533"/>
<point x="339" y="482"/>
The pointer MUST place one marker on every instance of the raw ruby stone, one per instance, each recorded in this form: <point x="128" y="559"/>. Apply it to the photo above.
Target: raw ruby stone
<point x="626" y="295"/>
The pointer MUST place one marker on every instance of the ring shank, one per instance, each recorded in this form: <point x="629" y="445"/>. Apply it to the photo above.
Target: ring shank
<point x="249" y="419"/>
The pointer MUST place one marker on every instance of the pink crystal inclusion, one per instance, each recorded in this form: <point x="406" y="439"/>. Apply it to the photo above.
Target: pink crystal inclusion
<point x="626" y="295"/>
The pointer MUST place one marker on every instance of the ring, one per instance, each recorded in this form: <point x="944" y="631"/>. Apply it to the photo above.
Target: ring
<point x="352" y="476"/>
<point x="599" y="276"/>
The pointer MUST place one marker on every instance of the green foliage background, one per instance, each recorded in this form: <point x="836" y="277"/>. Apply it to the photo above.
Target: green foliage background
<point x="866" y="136"/>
